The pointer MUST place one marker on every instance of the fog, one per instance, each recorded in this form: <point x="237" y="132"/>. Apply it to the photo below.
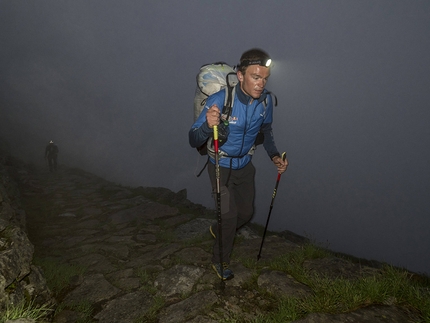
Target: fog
<point x="112" y="84"/>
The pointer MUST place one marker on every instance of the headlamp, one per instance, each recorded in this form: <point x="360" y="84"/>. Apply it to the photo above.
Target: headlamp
<point x="262" y="62"/>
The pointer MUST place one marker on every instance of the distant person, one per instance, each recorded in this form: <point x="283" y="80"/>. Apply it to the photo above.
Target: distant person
<point x="51" y="153"/>
<point x="252" y="112"/>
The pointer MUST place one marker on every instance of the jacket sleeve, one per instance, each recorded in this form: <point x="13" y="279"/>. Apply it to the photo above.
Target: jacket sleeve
<point x="266" y="128"/>
<point x="269" y="140"/>
<point x="200" y="131"/>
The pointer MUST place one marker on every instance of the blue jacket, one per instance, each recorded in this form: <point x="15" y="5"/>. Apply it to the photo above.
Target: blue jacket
<point x="248" y="116"/>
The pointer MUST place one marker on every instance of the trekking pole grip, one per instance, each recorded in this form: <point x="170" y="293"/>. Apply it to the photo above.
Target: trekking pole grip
<point x="283" y="156"/>
<point x="216" y="139"/>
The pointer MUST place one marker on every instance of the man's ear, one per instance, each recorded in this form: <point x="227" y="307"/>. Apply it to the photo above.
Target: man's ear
<point x="239" y="76"/>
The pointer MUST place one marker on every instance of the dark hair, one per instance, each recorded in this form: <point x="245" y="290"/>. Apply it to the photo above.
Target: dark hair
<point x="254" y="56"/>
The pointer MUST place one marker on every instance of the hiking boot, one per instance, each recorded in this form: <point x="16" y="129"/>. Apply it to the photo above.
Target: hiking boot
<point x="227" y="274"/>
<point x="212" y="233"/>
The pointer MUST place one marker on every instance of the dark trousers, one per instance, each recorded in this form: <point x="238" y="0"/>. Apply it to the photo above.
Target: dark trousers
<point x="52" y="161"/>
<point x="237" y="189"/>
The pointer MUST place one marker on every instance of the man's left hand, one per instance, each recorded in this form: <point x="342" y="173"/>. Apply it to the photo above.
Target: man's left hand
<point x="280" y="164"/>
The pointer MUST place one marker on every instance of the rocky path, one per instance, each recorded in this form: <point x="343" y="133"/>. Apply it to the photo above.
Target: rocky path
<point x="143" y="255"/>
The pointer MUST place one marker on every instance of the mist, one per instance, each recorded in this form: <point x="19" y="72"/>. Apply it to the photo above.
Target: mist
<point x="112" y="84"/>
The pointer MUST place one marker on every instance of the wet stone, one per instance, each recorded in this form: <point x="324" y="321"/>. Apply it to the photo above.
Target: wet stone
<point x="178" y="280"/>
<point x="67" y="214"/>
<point x="194" y="255"/>
<point x="189" y="308"/>
<point x="277" y="282"/>
<point x="146" y="237"/>
<point x="94" y="288"/>
<point x="125" y="309"/>
<point x="133" y="255"/>
<point x="194" y="228"/>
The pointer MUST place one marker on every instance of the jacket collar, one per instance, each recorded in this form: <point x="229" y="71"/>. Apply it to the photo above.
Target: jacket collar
<point x="245" y="98"/>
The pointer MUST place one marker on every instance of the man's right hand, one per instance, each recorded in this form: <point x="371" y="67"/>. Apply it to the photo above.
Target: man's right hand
<point x="213" y="116"/>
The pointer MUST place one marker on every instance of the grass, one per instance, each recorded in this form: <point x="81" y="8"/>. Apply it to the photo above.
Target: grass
<point x="58" y="277"/>
<point x="289" y="309"/>
<point x="27" y="310"/>
<point x="390" y="286"/>
<point x="146" y="279"/>
<point x="85" y="308"/>
<point x="57" y="274"/>
<point x="150" y="316"/>
<point x="158" y="301"/>
<point x="342" y="295"/>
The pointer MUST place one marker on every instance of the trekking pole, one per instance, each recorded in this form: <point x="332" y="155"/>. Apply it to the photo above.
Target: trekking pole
<point x="218" y="203"/>
<point x="284" y="155"/>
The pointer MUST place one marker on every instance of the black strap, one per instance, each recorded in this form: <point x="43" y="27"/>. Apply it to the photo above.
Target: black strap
<point x="273" y="96"/>
<point x="207" y="161"/>
<point x="226" y="111"/>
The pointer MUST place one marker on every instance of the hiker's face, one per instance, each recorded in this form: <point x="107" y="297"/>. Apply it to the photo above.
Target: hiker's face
<point x="254" y="80"/>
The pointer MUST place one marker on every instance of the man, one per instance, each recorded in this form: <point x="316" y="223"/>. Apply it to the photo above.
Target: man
<point x="51" y="153"/>
<point x="252" y="112"/>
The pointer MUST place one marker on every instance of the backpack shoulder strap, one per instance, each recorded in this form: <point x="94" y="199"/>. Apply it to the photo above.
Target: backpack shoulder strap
<point x="228" y="102"/>
<point x="275" y="103"/>
<point x="230" y="91"/>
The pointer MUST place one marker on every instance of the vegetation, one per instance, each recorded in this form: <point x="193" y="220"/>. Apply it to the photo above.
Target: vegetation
<point x="158" y="303"/>
<point x="26" y="310"/>
<point x="58" y="278"/>
<point x="392" y="286"/>
<point x="146" y="279"/>
<point x="85" y="308"/>
<point x="58" y="275"/>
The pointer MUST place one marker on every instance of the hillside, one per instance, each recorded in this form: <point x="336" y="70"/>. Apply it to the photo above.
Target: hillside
<point x="119" y="254"/>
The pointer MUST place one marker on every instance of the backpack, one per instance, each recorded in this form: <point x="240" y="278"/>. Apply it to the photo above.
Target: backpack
<point x="51" y="150"/>
<point x="211" y="79"/>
